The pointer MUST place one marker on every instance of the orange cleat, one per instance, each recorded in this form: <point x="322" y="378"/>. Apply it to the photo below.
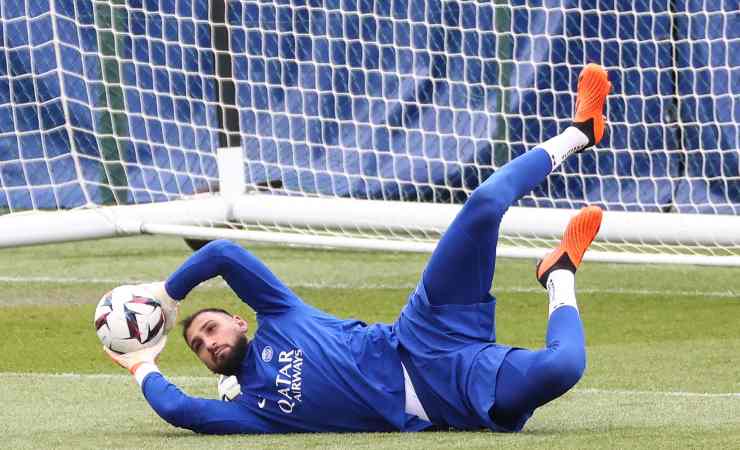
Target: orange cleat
<point x="593" y="87"/>
<point x="579" y="234"/>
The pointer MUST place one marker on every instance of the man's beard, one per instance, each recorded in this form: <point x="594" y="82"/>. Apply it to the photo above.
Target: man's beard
<point x="231" y="365"/>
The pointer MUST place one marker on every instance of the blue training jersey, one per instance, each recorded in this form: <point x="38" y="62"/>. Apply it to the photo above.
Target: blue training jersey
<point x="304" y="370"/>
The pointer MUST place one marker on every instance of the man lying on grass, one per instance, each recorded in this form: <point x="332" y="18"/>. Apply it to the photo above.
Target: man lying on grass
<point x="437" y="367"/>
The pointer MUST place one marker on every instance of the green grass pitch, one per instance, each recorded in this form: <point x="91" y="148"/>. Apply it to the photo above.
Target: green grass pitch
<point x="663" y="345"/>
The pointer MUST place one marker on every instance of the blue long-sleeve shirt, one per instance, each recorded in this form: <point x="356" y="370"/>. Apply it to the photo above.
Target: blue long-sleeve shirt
<point x="304" y="370"/>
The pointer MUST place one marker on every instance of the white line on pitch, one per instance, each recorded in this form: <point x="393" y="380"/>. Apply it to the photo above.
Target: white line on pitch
<point x="67" y="280"/>
<point x="330" y="285"/>
<point x="213" y="380"/>
<point x="662" y="393"/>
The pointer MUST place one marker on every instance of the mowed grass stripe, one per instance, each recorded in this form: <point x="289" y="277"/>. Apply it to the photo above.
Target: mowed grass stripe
<point x="321" y="285"/>
<point x="149" y="258"/>
<point x="633" y="343"/>
<point x="93" y="412"/>
<point x="211" y="380"/>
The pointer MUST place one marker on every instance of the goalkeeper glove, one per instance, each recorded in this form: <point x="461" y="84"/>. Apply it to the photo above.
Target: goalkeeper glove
<point x="228" y="388"/>
<point x="170" y="306"/>
<point x="134" y="360"/>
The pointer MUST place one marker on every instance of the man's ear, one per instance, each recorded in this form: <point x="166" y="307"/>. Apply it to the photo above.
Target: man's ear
<point x="241" y="323"/>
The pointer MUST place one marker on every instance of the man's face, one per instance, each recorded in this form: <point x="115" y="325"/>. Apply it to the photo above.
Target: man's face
<point x="218" y="340"/>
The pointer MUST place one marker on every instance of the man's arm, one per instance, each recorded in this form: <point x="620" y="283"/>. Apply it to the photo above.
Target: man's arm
<point x="200" y="415"/>
<point x="247" y="276"/>
<point x="181" y="410"/>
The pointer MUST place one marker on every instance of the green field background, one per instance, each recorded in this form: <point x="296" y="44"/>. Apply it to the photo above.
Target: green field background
<point x="663" y="349"/>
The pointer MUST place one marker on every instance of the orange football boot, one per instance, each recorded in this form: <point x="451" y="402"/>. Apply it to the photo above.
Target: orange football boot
<point x="593" y="87"/>
<point x="579" y="234"/>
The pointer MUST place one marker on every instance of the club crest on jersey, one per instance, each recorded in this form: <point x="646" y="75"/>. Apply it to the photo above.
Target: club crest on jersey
<point x="267" y="354"/>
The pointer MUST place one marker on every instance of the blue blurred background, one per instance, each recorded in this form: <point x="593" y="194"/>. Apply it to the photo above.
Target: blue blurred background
<point x="419" y="100"/>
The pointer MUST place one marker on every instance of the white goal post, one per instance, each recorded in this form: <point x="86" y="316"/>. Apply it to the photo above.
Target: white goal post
<point x="365" y="125"/>
<point x="382" y="225"/>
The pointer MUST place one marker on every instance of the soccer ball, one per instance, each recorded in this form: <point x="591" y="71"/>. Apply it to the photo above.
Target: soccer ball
<point x="128" y="319"/>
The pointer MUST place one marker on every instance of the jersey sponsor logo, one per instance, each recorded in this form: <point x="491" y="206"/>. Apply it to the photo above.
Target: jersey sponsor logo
<point x="289" y="380"/>
<point x="267" y="354"/>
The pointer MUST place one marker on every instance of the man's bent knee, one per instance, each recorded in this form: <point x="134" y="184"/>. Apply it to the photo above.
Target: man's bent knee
<point x="567" y="368"/>
<point x="490" y="205"/>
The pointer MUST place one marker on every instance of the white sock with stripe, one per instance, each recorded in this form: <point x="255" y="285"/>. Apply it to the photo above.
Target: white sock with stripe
<point x="561" y="288"/>
<point x="564" y="144"/>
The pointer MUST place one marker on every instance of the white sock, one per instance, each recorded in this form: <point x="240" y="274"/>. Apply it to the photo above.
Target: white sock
<point x="563" y="145"/>
<point x="561" y="288"/>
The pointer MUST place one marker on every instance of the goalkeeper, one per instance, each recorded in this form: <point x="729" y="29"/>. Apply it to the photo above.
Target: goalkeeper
<point x="437" y="367"/>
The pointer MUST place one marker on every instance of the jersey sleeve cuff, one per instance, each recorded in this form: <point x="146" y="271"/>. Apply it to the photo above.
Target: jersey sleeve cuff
<point x="143" y="370"/>
<point x="168" y="289"/>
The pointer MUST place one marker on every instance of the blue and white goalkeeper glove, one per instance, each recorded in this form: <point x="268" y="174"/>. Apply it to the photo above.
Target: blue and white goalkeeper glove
<point x="141" y="362"/>
<point x="228" y="388"/>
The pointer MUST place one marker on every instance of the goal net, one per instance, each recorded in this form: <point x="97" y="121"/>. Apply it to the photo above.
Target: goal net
<point x="352" y="123"/>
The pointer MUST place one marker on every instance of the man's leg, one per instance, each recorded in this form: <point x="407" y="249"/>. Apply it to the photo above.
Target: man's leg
<point x="528" y="379"/>
<point x="461" y="268"/>
<point x="446" y="329"/>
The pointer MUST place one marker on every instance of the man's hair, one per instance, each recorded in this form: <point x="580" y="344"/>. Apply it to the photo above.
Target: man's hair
<point x="186" y="322"/>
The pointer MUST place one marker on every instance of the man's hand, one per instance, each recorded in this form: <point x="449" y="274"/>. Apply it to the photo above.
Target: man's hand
<point x="133" y="360"/>
<point x="170" y="307"/>
<point x="228" y="388"/>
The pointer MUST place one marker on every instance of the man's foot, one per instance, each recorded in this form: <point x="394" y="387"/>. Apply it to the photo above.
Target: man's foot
<point x="579" y="234"/>
<point x="593" y="87"/>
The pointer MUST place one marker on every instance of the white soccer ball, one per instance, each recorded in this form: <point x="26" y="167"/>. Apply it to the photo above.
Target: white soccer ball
<point x="129" y="319"/>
